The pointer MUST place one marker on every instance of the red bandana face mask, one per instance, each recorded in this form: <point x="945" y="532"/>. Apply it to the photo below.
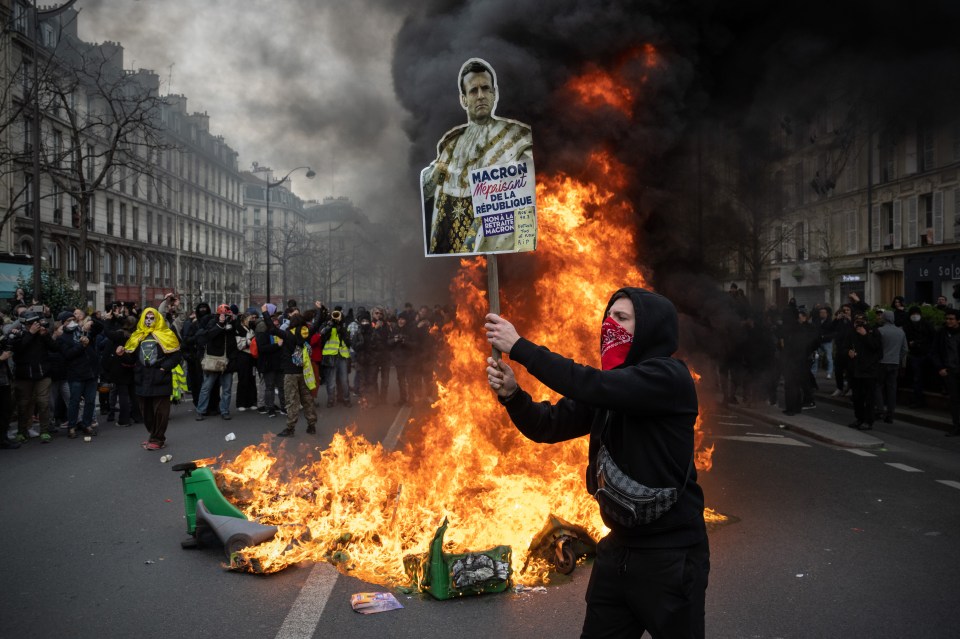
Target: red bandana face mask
<point x="615" y="344"/>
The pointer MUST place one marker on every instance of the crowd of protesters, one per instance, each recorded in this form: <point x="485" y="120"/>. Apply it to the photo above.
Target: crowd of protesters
<point x="58" y="372"/>
<point x="865" y="352"/>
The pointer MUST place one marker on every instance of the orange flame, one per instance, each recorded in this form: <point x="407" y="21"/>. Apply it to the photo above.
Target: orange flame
<point x="598" y="87"/>
<point x="364" y="508"/>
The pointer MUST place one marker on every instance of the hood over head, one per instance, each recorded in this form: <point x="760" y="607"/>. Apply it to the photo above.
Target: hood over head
<point x="202" y="309"/>
<point x="657" y="327"/>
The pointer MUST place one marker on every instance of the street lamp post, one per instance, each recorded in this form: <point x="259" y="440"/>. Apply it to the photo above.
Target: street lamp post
<point x="310" y="175"/>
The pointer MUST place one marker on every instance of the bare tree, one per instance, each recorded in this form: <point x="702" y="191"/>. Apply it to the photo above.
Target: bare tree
<point x="290" y="247"/>
<point x="115" y="135"/>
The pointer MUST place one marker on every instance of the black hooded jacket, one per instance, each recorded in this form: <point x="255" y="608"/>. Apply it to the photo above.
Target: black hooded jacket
<point x="652" y="405"/>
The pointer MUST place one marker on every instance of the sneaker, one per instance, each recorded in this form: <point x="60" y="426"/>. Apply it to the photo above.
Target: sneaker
<point x="283" y="411"/>
<point x="154" y="446"/>
<point x="846" y="391"/>
<point x="226" y="416"/>
<point x="262" y="410"/>
<point x="20" y="438"/>
<point x="829" y="375"/>
<point x="809" y="406"/>
<point x="199" y="417"/>
<point x="286" y="432"/>
<point x="272" y="413"/>
<point x="33" y="432"/>
<point x="45" y="438"/>
<point x="836" y="393"/>
<point x="311" y="429"/>
<point x="241" y="408"/>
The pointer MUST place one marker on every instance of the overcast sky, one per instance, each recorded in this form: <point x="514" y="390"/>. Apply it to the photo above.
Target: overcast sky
<point x="286" y="83"/>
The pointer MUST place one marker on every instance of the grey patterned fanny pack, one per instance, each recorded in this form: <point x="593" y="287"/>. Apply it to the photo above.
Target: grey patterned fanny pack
<point x="627" y="501"/>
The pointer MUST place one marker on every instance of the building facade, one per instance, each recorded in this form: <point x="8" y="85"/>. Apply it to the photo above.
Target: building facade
<point x="166" y="218"/>
<point x="868" y="209"/>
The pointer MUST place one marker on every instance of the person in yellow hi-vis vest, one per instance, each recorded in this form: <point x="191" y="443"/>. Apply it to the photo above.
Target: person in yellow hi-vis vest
<point x="334" y="362"/>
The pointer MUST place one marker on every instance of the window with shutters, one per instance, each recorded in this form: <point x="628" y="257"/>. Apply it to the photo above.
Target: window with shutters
<point x="89" y="265"/>
<point x="925" y="219"/>
<point x="135" y="234"/>
<point x="108" y="267"/>
<point x="913" y="223"/>
<point x="886" y="225"/>
<point x="850" y="232"/>
<point x="109" y="217"/>
<point x="897" y="224"/>
<point x="73" y="258"/>
<point x="121" y="271"/>
<point x="799" y="240"/>
<point x="956" y="215"/>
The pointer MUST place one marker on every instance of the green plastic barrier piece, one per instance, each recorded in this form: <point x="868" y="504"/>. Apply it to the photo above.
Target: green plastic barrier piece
<point x="449" y="575"/>
<point x="200" y="484"/>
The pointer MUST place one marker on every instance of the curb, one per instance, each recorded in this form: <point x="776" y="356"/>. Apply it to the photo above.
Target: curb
<point x="815" y="428"/>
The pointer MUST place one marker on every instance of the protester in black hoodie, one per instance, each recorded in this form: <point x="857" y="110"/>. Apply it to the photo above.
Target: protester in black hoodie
<point x="643" y="406"/>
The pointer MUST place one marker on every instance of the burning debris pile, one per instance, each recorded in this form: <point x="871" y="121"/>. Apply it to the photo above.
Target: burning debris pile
<point x="365" y="509"/>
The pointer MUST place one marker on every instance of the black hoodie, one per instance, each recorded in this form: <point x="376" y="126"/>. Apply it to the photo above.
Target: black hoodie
<point x="652" y="405"/>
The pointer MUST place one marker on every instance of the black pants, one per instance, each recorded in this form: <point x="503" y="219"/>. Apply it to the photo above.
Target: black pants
<point x="864" y="391"/>
<point x="952" y="380"/>
<point x="156" y="416"/>
<point x="661" y="591"/>
<point x="886" y="393"/>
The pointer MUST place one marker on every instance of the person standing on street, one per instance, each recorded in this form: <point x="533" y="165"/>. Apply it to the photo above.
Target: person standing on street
<point x="920" y="338"/>
<point x="894" y="343"/>
<point x="639" y="410"/>
<point x="292" y="341"/>
<point x="864" y="356"/>
<point x="154" y="351"/>
<point x="946" y="352"/>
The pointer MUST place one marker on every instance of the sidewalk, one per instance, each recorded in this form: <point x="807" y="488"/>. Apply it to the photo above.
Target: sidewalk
<point x="813" y="427"/>
<point x="936" y="416"/>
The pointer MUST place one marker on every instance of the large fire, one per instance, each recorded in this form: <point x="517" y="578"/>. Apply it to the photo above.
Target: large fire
<point x="365" y="507"/>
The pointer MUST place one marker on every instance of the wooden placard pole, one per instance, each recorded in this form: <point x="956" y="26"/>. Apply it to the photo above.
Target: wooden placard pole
<point x="493" y="292"/>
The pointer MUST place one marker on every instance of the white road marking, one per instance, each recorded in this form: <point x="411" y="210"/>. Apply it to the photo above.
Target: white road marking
<point x="904" y="467"/>
<point x="732" y="424"/>
<point x="950" y="483"/>
<point x="304" y="616"/>
<point x="764" y="435"/>
<point x="861" y="453"/>
<point x="786" y="441"/>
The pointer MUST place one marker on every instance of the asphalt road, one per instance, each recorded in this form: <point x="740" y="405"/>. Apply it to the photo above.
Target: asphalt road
<point x="825" y="542"/>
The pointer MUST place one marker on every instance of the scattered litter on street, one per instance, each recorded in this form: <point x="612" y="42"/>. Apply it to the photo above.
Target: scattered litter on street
<point x="165" y="458"/>
<point x="149" y="561"/>
<point x="230" y="437"/>
<point x="519" y="589"/>
<point x="367" y="603"/>
<point x="88" y="438"/>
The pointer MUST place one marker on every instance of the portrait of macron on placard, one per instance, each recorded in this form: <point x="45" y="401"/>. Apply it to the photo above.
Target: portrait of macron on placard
<point x="479" y="195"/>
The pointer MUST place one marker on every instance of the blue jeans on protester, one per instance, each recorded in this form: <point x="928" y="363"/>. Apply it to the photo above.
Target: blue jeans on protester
<point x="226" y="390"/>
<point x="334" y="376"/>
<point x="85" y="389"/>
